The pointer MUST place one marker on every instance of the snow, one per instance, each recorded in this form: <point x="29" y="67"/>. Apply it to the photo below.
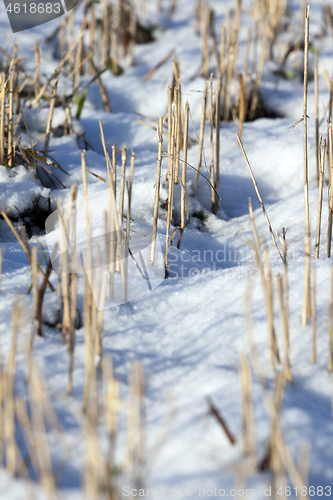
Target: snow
<point x="189" y="331"/>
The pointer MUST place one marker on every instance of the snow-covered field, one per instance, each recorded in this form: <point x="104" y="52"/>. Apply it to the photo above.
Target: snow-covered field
<point x="190" y="331"/>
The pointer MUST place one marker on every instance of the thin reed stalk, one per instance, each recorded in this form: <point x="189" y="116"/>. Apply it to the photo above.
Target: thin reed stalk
<point x="51" y="110"/>
<point x="320" y="198"/>
<point x="316" y="96"/>
<point x="215" y="206"/>
<point x="267" y="291"/>
<point x="10" y="137"/>
<point x="284" y="324"/>
<point x="211" y="123"/>
<point x="201" y="139"/>
<point x="184" y="165"/>
<point x="258" y="194"/>
<point x="122" y="183"/>
<point x="241" y="116"/>
<point x="249" y="437"/>
<point x="157" y="188"/>
<point x="176" y="100"/>
<point x="330" y="205"/>
<point x="2" y="119"/>
<point x="306" y="313"/>
<point x="114" y="171"/>
<point x="170" y="193"/>
<point x="170" y="91"/>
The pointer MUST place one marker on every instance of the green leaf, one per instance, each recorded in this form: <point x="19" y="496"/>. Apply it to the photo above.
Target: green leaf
<point x="80" y="102"/>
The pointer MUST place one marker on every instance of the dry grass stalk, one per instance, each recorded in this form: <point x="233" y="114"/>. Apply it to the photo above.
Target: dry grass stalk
<point x="170" y="192"/>
<point x="215" y="206"/>
<point x="84" y="182"/>
<point x="314" y="316"/>
<point x="272" y="406"/>
<point x="306" y="313"/>
<point x="113" y="38"/>
<point x="217" y="414"/>
<point x="73" y="289"/>
<point x="112" y="239"/>
<point x="204" y="31"/>
<point x="64" y="243"/>
<point x="92" y="41"/>
<point x="36" y="82"/>
<point x="43" y="453"/>
<point x="316" y="91"/>
<point x="172" y="8"/>
<point x="255" y="95"/>
<point x="121" y="201"/>
<point x="24" y="244"/>
<point x="320" y="198"/>
<point x="170" y="92"/>
<point x="330" y="206"/>
<point x="51" y="110"/>
<point x="211" y="123"/>
<point x="330" y="326"/>
<point x="41" y="293"/>
<point x="286" y="280"/>
<point x="227" y="97"/>
<point x="157" y="66"/>
<point x="211" y="15"/>
<point x="157" y="188"/>
<point x="2" y="118"/>
<point x="201" y="139"/>
<point x="267" y="290"/>
<point x="247" y="54"/>
<point x="128" y="222"/>
<point x="275" y="461"/>
<point x="132" y="31"/>
<point x="106" y="154"/>
<point x="258" y="194"/>
<point x="136" y="429"/>
<point x="102" y="89"/>
<point x="284" y="324"/>
<point x="112" y="403"/>
<point x="89" y="323"/>
<point x="131" y="175"/>
<point x="222" y="55"/>
<point x="79" y="53"/>
<point x="1" y="263"/>
<point x="176" y="132"/>
<point x="10" y="137"/>
<point x="8" y="394"/>
<point x="184" y="214"/>
<point x="241" y="106"/>
<point x="114" y="170"/>
<point x="249" y="436"/>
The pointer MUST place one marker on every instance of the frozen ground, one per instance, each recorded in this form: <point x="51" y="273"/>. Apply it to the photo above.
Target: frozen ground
<point x="190" y="331"/>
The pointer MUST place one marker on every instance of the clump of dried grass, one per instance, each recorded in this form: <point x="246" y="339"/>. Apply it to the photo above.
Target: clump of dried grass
<point x="29" y="423"/>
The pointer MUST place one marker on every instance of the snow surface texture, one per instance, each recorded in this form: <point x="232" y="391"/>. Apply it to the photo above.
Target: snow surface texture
<point x="190" y="331"/>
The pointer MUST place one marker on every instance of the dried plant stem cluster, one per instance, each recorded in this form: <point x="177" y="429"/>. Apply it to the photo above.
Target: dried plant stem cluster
<point x="29" y="423"/>
<point x="111" y="31"/>
<point x="240" y="99"/>
<point x="178" y="139"/>
<point x="101" y="404"/>
<point x="12" y="151"/>
<point x="276" y="460"/>
<point x="324" y="150"/>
